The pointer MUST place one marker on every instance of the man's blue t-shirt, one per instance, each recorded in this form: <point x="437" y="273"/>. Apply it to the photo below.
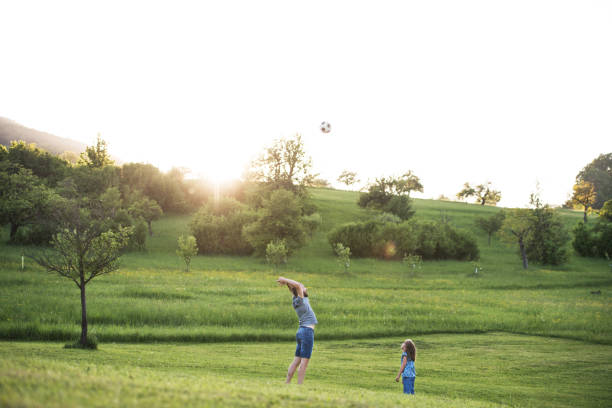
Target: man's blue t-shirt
<point x="304" y="311"/>
<point x="409" y="369"/>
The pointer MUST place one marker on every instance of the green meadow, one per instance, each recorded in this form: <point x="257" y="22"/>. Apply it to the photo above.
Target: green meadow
<point x="222" y="334"/>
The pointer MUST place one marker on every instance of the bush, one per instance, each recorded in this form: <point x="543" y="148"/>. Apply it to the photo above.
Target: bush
<point x="280" y="218"/>
<point x="428" y="240"/>
<point x="400" y="206"/>
<point x="548" y="239"/>
<point x="138" y="239"/>
<point x="218" y="228"/>
<point x="187" y="248"/>
<point x="363" y="238"/>
<point x="593" y="241"/>
<point x="276" y="253"/>
<point x="343" y="256"/>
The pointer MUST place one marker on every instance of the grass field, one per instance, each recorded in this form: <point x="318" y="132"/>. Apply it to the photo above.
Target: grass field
<point x="539" y="337"/>
<point x="481" y="370"/>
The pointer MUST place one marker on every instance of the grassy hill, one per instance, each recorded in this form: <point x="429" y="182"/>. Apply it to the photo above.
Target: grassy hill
<point x="222" y="335"/>
<point x="13" y="131"/>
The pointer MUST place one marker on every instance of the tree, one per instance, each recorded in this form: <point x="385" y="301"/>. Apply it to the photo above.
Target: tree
<point x="187" y="248"/>
<point x="584" y="195"/>
<point x="348" y="178"/>
<point x="93" y="181"/>
<point x="343" y="256"/>
<point x="70" y="157"/>
<point x="595" y="240"/>
<point x="280" y="218"/>
<point x="96" y="156"/>
<point x="147" y="209"/>
<point x="84" y="249"/>
<point x="320" y="182"/>
<point x="44" y="165"/>
<point x="218" y="227"/>
<point x="23" y="197"/>
<point x="491" y="224"/>
<point x="392" y="195"/>
<point x="484" y="193"/>
<point x="276" y="253"/>
<point x="599" y="174"/>
<point x="606" y="211"/>
<point x="284" y="165"/>
<point x="516" y="227"/>
<point x="548" y="238"/>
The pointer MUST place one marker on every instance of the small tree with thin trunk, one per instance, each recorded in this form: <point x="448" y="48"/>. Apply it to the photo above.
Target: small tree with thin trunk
<point x="491" y="224"/>
<point x="343" y="255"/>
<point x="516" y="227"/>
<point x="147" y="209"/>
<point x="84" y="249"/>
<point x="187" y="249"/>
<point x="276" y="253"/>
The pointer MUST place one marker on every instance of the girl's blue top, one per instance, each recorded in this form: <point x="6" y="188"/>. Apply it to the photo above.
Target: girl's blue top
<point x="409" y="369"/>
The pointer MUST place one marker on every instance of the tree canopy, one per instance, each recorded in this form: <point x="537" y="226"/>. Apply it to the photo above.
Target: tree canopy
<point x="392" y="195"/>
<point x="284" y="165"/>
<point x="599" y="174"/>
<point x="484" y="193"/>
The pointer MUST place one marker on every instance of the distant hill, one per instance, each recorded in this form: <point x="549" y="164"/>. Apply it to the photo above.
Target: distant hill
<point x="11" y="130"/>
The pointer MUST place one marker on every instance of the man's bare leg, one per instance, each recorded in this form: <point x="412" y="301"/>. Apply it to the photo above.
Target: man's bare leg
<point x="292" y="367"/>
<point x="302" y="370"/>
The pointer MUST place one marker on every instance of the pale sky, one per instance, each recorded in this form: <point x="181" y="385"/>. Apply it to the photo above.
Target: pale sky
<point x="512" y="92"/>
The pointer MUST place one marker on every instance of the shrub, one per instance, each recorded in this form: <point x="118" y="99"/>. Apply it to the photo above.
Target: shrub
<point x="547" y="240"/>
<point x="187" y="248"/>
<point x="593" y="241"/>
<point x="428" y="240"/>
<point x="217" y="228"/>
<point x="280" y="218"/>
<point x="414" y="263"/>
<point x="138" y="239"/>
<point x="343" y="256"/>
<point x="363" y="238"/>
<point x="276" y="253"/>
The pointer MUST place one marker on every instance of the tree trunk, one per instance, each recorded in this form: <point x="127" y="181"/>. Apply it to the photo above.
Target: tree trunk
<point x="150" y="228"/>
<point x="523" y="253"/>
<point x="585" y="215"/>
<point x="13" y="230"/>
<point x="83" y="315"/>
<point x="490" y="239"/>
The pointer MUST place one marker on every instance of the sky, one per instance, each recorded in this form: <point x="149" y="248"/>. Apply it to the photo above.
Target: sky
<point x="518" y="93"/>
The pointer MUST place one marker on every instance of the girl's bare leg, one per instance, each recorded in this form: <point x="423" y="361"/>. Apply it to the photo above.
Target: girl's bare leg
<point x="302" y="370"/>
<point x="292" y="367"/>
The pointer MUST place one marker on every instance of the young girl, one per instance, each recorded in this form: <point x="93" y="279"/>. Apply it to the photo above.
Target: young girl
<point x="407" y="368"/>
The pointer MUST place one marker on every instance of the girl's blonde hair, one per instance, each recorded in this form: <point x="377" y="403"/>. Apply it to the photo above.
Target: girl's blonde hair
<point x="410" y="349"/>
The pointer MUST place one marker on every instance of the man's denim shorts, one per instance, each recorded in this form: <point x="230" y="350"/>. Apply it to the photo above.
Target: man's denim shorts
<point x="305" y="341"/>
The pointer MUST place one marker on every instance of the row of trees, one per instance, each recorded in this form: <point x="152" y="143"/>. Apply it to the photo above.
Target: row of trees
<point x="32" y="181"/>
<point x="87" y="213"/>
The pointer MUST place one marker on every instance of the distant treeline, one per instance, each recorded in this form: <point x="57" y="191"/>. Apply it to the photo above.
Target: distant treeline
<point x="35" y="182"/>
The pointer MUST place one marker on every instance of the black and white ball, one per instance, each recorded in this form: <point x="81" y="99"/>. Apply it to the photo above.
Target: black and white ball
<point x="325" y="127"/>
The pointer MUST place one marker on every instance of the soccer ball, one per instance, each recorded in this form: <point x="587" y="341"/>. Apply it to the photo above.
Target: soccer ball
<point x="325" y="127"/>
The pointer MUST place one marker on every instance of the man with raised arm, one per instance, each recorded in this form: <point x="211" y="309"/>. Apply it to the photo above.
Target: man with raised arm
<point x="305" y="334"/>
